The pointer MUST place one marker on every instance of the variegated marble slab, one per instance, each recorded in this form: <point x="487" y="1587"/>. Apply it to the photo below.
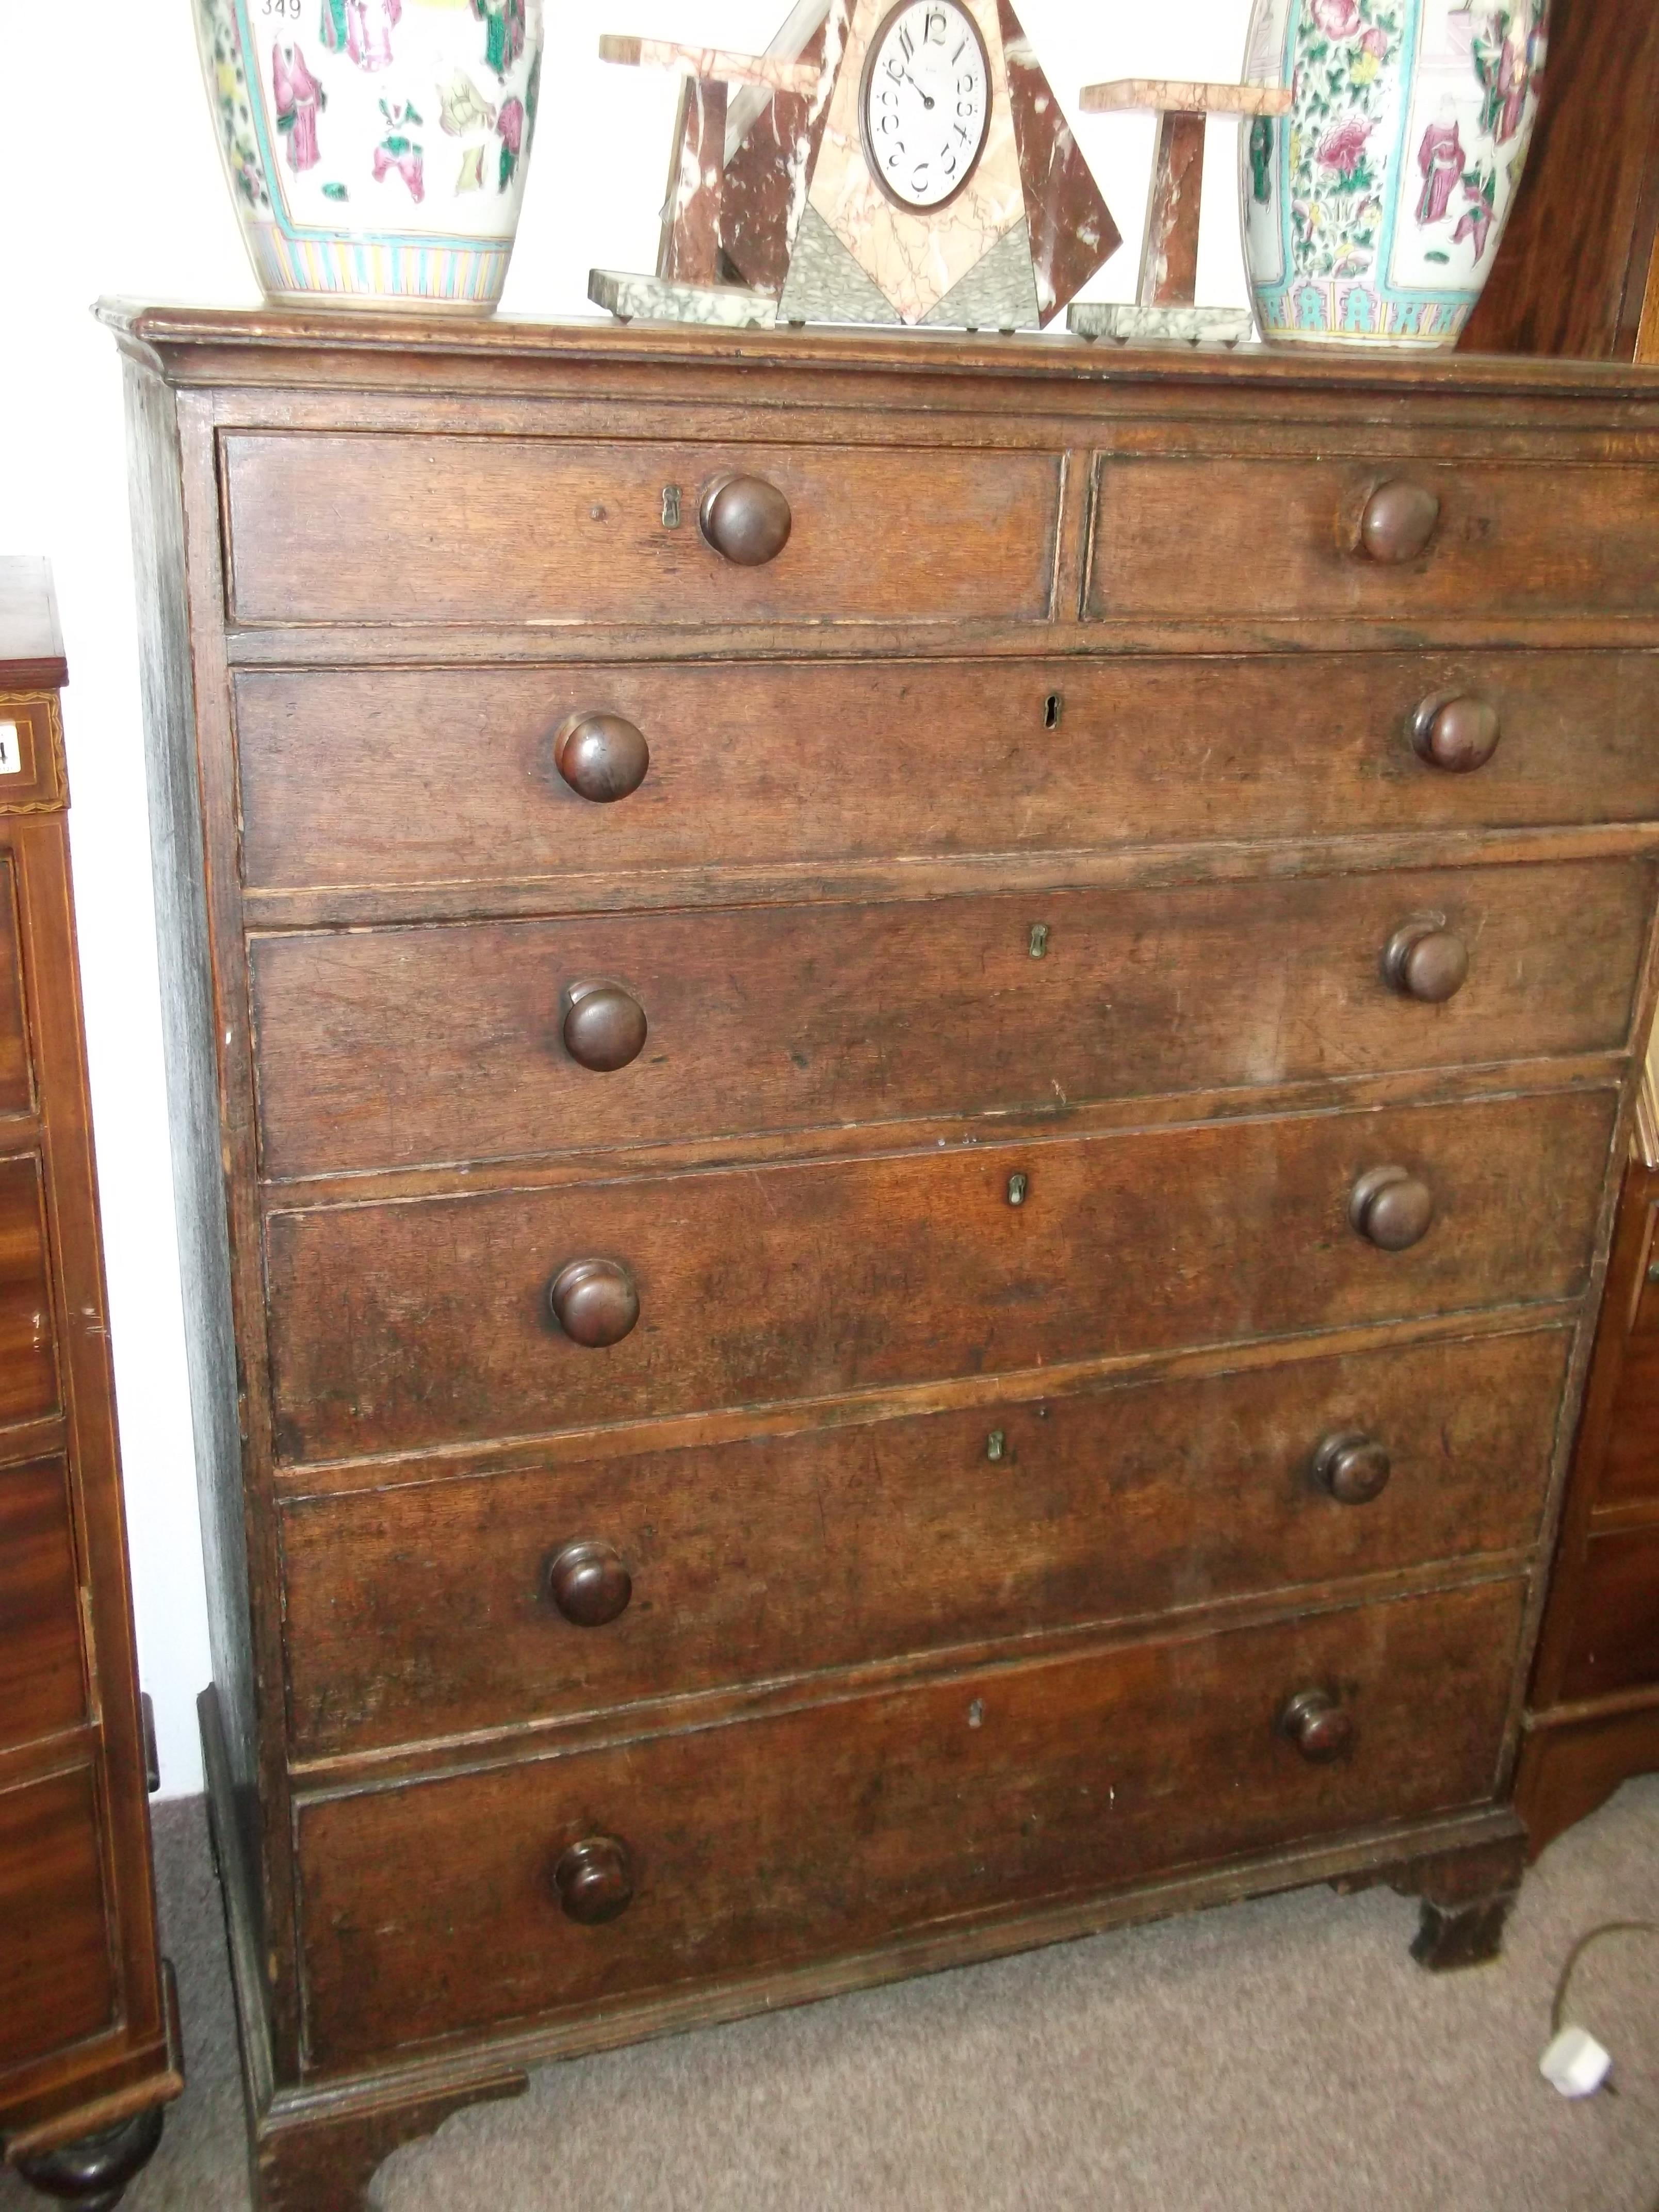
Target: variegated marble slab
<point x="656" y="300"/>
<point x="1129" y="325"/>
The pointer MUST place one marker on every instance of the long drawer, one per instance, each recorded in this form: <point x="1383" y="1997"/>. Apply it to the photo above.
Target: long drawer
<point x="57" y="1980"/>
<point x="401" y="1047"/>
<point x="432" y="1607"/>
<point x="396" y="1326"/>
<point x="1278" y="539"/>
<point x="28" y="1365"/>
<point x="41" y="1685"/>
<point x="540" y="529"/>
<point x="433" y="1907"/>
<point x="407" y="777"/>
<point x="16" y="1078"/>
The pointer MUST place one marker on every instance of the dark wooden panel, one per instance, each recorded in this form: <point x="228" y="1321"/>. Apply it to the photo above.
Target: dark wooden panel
<point x="1630" y="1463"/>
<point x="1567" y="1771"/>
<point x="456" y="530"/>
<point x="1616" y="1615"/>
<point x="1513" y="541"/>
<point x="56" y="1983"/>
<point x="440" y="775"/>
<point x="16" y="1078"/>
<point x="423" y="1610"/>
<point x="28" y="1371"/>
<point x="399" y="1326"/>
<point x="40" y="1673"/>
<point x="430" y="1908"/>
<point x="398" y="1047"/>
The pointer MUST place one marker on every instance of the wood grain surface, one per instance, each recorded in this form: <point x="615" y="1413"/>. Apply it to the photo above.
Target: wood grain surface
<point x="42" y="1689"/>
<point x="56" y="1980"/>
<point x="28" y="1367"/>
<point x="16" y="1076"/>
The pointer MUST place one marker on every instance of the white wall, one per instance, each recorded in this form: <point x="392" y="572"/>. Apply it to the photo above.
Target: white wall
<point x="117" y="190"/>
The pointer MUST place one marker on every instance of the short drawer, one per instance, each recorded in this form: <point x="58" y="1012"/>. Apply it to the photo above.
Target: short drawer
<point x="399" y="1048"/>
<point x="1211" y="536"/>
<point x="1616" y="1630"/>
<point x="16" y="1080"/>
<point x="439" y="1606"/>
<point x="412" y="777"/>
<point x="28" y="1367"/>
<point x="357" y="528"/>
<point x="41" y="1685"/>
<point x="56" y="1980"/>
<point x="399" y="1326"/>
<point x="433" y="1908"/>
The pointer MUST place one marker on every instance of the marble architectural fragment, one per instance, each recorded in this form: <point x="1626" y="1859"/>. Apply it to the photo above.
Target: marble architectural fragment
<point x="689" y="252"/>
<point x="1070" y="226"/>
<point x="771" y="145"/>
<point x="826" y="285"/>
<point x="997" y="293"/>
<point x="1131" y="325"/>
<point x="709" y="64"/>
<point x="655" y="300"/>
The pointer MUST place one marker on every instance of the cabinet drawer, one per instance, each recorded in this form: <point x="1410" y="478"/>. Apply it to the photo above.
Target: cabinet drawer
<point x="456" y="530"/>
<point x="17" y="1081"/>
<point x="403" y="1046"/>
<point x="397" y="1326"/>
<point x="435" y="776"/>
<point x="40" y="1679"/>
<point x="1616" y="1638"/>
<point x="1278" y="540"/>
<point x="28" y="1369"/>
<point x="425" y="1609"/>
<point x="56" y="1981"/>
<point x="431" y="1908"/>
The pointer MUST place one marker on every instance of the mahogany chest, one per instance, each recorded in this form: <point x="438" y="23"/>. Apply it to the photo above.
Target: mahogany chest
<point x="899" y="1067"/>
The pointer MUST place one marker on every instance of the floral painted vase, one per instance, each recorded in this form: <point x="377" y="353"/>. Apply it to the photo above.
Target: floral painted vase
<point x="1373" y="210"/>
<point x="376" y="148"/>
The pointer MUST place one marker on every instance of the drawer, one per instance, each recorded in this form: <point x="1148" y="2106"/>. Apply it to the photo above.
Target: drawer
<point x="458" y="529"/>
<point x="40" y="1679"/>
<point x="56" y="1981"/>
<point x="16" y="1080"/>
<point x="1630" y="1468"/>
<point x="397" y="1048"/>
<point x="28" y="1369"/>
<point x="426" y="1610"/>
<point x="396" y="1326"/>
<point x="431" y="1908"/>
<point x="1278" y="540"/>
<point x="1616" y="1631"/>
<point x="439" y="776"/>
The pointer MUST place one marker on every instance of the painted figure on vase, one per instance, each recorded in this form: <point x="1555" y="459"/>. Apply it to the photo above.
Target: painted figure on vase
<point x="363" y="27"/>
<point x="1440" y="157"/>
<point x="503" y="23"/>
<point x="1480" y="190"/>
<point x="470" y="178"/>
<point x="462" y="107"/>
<point x="1502" y="48"/>
<point x="398" y="150"/>
<point x="296" y="96"/>
<point x="510" y="124"/>
<point x="1262" y="159"/>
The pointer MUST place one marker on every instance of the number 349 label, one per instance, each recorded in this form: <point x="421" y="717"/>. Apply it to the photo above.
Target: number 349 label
<point x="11" y="750"/>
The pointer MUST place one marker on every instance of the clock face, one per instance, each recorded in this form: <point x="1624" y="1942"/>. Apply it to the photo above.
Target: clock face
<point x="925" y="107"/>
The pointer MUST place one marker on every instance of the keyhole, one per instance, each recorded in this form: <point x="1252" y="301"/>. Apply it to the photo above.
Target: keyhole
<point x="1039" y="940"/>
<point x="1051" y="707"/>
<point x="995" y="1444"/>
<point x="1017" y="1189"/>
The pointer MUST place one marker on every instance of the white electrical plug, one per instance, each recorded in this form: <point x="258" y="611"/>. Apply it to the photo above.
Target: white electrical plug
<point x="1574" y="2063"/>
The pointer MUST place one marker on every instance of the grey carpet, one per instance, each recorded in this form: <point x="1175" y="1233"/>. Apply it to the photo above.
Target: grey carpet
<point x="1283" y="2056"/>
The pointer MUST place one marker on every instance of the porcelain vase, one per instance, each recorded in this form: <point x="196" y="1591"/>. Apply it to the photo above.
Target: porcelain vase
<point x="1372" y="212"/>
<point x="376" y="149"/>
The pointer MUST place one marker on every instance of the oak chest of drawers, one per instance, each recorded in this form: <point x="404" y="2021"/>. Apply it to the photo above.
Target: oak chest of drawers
<point x="897" y="1068"/>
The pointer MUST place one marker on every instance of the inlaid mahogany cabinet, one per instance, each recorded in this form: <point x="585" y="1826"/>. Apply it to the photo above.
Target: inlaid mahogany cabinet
<point x="898" y="1067"/>
<point x="88" y="2035"/>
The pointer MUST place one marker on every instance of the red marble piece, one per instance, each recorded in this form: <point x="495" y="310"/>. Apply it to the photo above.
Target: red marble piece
<point x="1072" y="233"/>
<point x="767" y="170"/>
<point x="690" y="247"/>
<point x="1169" y="259"/>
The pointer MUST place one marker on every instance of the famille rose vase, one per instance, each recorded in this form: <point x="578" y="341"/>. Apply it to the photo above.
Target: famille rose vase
<point x="1373" y="210"/>
<point x="376" y="148"/>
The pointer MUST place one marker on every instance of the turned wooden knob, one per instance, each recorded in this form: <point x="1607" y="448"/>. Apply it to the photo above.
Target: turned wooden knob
<point x="595" y="1880"/>
<point x="1425" y="960"/>
<point x="604" y="1026"/>
<point x="594" y="1301"/>
<point x="589" y="1584"/>
<point x="1353" y="1466"/>
<point x="1319" y="1726"/>
<point x="1398" y="521"/>
<point x="1392" y="1207"/>
<point x="745" y="519"/>
<point x="600" y="757"/>
<point x="1455" y="732"/>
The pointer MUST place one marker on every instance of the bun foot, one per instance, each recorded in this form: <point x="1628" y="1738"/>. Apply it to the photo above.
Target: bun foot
<point x="1457" y="1935"/>
<point x="93" y="2173"/>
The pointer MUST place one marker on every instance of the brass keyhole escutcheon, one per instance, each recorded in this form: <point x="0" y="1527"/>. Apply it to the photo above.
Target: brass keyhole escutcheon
<point x="996" y="1444"/>
<point x="1018" y="1187"/>
<point x="1039" y="940"/>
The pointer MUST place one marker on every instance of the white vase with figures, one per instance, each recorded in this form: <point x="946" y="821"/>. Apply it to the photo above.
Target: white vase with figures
<point x="1372" y="212"/>
<point x="376" y="149"/>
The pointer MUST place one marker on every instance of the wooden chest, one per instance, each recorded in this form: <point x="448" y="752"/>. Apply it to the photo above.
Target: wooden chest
<point x="897" y="1068"/>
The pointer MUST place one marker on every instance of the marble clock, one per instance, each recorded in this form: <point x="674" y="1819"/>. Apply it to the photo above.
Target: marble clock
<point x="925" y="102"/>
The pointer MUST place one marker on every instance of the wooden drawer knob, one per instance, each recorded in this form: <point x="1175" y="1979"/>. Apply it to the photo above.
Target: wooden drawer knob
<point x="1455" y="732"/>
<point x="604" y="1026"/>
<point x="594" y="1301"/>
<point x="1353" y="1466"/>
<point x="589" y="1584"/>
<point x="1392" y="1208"/>
<point x="1320" y="1727"/>
<point x="1398" y="521"/>
<point x="1425" y="960"/>
<point x="600" y="757"/>
<point x="595" y="1880"/>
<point x="745" y="519"/>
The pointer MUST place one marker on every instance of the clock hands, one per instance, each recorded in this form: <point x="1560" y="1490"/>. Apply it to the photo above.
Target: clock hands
<point x="927" y="99"/>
